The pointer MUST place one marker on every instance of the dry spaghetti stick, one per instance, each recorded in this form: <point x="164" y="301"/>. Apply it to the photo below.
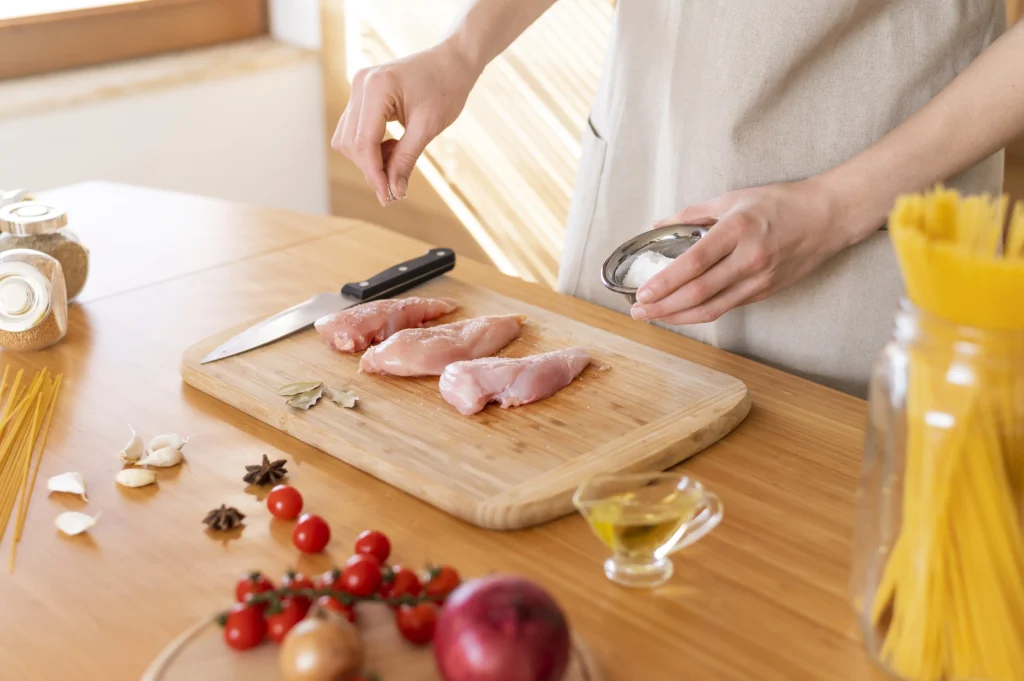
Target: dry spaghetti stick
<point x="9" y="493"/>
<point x="43" y="399"/>
<point x="29" y="394"/>
<point x="3" y="383"/>
<point x="9" y="437"/>
<point x="13" y="393"/>
<point x="1015" y="238"/>
<point x="30" y="445"/>
<point x="42" y="449"/>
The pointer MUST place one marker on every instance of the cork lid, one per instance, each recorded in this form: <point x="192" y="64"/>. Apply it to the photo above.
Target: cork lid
<point x="24" y="297"/>
<point x="32" y="217"/>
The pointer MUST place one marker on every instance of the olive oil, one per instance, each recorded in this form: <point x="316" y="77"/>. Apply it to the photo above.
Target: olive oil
<point x="644" y="517"/>
<point x="641" y="529"/>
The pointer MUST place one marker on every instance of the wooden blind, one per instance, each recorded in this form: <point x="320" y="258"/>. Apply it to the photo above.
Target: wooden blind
<point x="507" y="166"/>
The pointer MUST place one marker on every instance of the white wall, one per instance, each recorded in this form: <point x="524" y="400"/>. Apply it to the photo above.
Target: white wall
<point x="256" y="138"/>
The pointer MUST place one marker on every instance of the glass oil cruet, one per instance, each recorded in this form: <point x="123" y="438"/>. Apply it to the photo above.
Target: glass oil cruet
<point x="643" y="518"/>
<point x="938" y="575"/>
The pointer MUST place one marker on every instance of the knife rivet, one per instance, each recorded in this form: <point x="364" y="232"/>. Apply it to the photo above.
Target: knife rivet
<point x="440" y="253"/>
<point x="364" y="284"/>
<point x="403" y="268"/>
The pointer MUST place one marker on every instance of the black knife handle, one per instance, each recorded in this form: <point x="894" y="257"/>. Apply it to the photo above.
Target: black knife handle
<point x="403" y="276"/>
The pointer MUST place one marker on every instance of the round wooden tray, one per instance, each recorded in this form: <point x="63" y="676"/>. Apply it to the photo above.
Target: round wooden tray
<point x="200" y="654"/>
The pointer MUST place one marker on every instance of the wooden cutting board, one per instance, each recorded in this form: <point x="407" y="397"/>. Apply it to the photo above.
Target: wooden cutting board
<point x="200" y="654"/>
<point x="633" y="409"/>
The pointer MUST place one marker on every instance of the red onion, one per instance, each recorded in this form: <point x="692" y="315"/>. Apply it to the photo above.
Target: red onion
<point x="501" y="629"/>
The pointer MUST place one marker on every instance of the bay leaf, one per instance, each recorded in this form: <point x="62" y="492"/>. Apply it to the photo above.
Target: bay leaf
<point x="307" y="399"/>
<point x="297" y="388"/>
<point x="345" y="398"/>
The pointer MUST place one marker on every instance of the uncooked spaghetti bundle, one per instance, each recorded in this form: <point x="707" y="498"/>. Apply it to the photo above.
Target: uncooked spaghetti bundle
<point x="948" y="598"/>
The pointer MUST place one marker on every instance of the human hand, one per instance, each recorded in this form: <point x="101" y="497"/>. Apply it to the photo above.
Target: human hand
<point x="763" y="240"/>
<point x="425" y="92"/>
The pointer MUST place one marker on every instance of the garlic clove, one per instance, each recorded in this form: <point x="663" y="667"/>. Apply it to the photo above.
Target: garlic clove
<point x="172" y="440"/>
<point x="72" y="483"/>
<point x="134" y="450"/>
<point x="73" y="522"/>
<point x="135" y="477"/>
<point x="165" y="457"/>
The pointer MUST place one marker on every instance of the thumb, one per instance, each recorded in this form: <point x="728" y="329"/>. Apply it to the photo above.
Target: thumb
<point x="403" y="157"/>
<point x="702" y="214"/>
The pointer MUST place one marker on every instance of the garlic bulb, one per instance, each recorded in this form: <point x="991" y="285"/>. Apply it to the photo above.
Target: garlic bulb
<point x="73" y="522"/>
<point x="134" y="450"/>
<point x="135" y="477"/>
<point x="165" y="457"/>
<point x="72" y="483"/>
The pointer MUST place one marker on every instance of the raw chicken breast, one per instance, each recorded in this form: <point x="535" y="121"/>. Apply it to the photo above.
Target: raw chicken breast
<point x="426" y="352"/>
<point x="356" y="328"/>
<point x="469" y="386"/>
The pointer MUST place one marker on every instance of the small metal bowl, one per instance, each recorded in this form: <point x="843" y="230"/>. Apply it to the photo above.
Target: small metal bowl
<point x="671" y="241"/>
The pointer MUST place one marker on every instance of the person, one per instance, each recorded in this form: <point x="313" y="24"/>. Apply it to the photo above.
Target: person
<point x="790" y="126"/>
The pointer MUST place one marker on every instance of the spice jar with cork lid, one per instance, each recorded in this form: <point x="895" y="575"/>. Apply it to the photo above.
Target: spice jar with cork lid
<point x="42" y="226"/>
<point x="33" y="300"/>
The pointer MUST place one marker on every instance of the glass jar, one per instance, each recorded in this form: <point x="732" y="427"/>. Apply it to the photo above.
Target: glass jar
<point x="43" y="227"/>
<point x="33" y="302"/>
<point x="938" y="574"/>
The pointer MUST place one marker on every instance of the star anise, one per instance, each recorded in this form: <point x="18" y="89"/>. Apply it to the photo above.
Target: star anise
<point x="224" y="518"/>
<point x="267" y="473"/>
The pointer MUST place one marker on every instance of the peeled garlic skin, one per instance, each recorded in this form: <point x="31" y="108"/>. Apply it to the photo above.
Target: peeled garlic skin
<point x="135" y="477"/>
<point x="73" y="522"/>
<point x="164" y="457"/>
<point x="134" y="450"/>
<point x="71" y="483"/>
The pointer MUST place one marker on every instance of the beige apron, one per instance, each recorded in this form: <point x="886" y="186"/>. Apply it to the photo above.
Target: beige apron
<point x="700" y="97"/>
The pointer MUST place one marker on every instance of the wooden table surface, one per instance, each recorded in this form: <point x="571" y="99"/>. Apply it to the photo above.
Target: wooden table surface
<point x="763" y="597"/>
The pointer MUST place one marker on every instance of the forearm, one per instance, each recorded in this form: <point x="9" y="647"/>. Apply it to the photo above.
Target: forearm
<point x="486" y="27"/>
<point x="977" y="114"/>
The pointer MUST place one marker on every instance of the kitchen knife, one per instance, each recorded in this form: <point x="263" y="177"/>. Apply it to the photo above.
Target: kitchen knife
<point x="390" y="282"/>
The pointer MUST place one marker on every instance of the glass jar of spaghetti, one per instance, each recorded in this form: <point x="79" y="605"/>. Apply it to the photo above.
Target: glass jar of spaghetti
<point x="33" y="300"/>
<point x="938" y="576"/>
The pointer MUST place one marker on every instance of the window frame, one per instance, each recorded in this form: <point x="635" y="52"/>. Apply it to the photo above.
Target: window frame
<point x="44" y="43"/>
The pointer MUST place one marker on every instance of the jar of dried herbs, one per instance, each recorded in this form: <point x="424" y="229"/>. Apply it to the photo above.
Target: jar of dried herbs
<point x="41" y="226"/>
<point x="33" y="300"/>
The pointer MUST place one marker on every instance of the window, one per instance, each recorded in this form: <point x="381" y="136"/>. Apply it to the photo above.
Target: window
<point x="38" y="36"/>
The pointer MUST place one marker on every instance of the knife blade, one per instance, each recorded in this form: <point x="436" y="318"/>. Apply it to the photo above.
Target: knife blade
<point x="390" y="282"/>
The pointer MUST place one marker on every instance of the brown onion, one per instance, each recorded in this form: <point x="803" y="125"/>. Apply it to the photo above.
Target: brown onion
<point x="321" y="648"/>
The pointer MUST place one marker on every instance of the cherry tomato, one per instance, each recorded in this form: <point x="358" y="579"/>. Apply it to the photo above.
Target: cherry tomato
<point x="400" y="581"/>
<point x="331" y="580"/>
<point x="337" y="606"/>
<point x="284" y="502"/>
<point x="374" y="543"/>
<point x="291" y="613"/>
<point x="311" y="534"/>
<point x="250" y="584"/>
<point x="361" y="576"/>
<point x="417" y="622"/>
<point x="297" y="580"/>
<point x="244" y="627"/>
<point x="441" y="581"/>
